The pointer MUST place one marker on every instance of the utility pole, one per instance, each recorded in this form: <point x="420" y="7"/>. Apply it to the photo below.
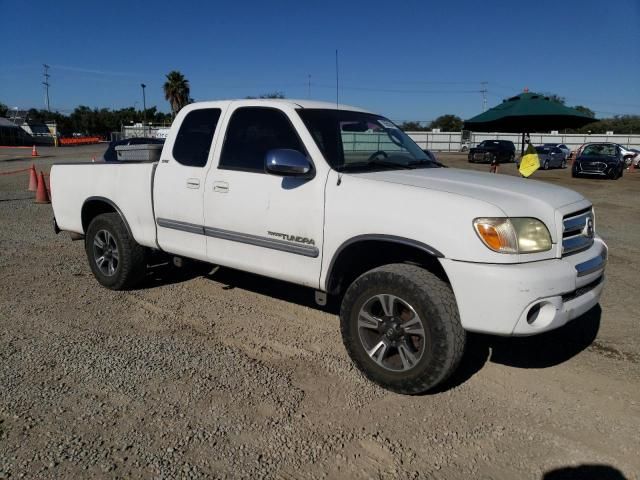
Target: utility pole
<point x="144" y="111"/>
<point x="46" y="84"/>
<point x="483" y="91"/>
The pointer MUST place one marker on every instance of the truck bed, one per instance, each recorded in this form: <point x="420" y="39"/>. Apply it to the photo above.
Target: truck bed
<point x="126" y="185"/>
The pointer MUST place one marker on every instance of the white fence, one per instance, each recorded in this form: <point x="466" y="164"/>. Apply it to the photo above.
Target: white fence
<point x="452" y="141"/>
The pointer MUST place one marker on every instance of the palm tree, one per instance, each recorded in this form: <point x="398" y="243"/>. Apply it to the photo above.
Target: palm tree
<point x="176" y="91"/>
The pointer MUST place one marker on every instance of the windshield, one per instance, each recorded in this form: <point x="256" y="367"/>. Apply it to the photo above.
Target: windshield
<point x="365" y="142"/>
<point x="543" y="149"/>
<point x="599" y="150"/>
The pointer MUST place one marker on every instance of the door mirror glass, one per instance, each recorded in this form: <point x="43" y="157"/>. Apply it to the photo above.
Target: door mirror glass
<point x="287" y="163"/>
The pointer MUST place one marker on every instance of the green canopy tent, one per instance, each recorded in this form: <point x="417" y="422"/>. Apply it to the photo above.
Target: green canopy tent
<point x="525" y="113"/>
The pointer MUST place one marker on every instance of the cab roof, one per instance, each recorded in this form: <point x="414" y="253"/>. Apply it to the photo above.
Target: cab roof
<point x="279" y="102"/>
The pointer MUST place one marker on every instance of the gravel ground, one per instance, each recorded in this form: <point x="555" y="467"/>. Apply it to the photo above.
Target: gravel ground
<point x="213" y="373"/>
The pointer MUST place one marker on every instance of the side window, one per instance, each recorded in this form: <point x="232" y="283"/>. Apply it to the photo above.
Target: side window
<point x="251" y="133"/>
<point x="194" y="137"/>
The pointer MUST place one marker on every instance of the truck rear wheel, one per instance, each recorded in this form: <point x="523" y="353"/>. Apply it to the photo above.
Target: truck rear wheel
<point x="115" y="258"/>
<point x="401" y="327"/>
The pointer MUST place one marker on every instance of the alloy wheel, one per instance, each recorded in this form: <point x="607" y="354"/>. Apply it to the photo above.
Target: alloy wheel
<point x="105" y="252"/>
<point x="391" y="332"/>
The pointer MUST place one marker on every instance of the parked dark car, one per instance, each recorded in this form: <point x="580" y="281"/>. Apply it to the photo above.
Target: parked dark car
<point x="110" y="153"/>
<point x="488" y="150"/>
<point x="551" y="157"/>
<point x="565" y="150"/>
<point x="599" y="160"/>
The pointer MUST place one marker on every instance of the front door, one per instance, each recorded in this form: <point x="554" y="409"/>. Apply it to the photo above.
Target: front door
<point x="179" y="184"/>
<point x="256" y="221"/>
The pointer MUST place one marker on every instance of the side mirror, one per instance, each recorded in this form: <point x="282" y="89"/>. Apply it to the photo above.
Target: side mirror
<point x="287" y="163"/>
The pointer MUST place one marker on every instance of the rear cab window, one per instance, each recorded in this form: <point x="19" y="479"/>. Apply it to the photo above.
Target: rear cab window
<point x="193" y="141"/>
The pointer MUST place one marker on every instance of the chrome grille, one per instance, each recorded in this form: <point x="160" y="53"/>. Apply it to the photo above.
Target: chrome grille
<point x="576" y="234"/>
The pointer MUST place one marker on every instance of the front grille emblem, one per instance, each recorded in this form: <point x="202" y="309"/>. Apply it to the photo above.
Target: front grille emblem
<point x="587" y="231"/>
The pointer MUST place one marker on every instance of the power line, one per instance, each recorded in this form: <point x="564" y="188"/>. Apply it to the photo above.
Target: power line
<point x="484" y="91"/>
<point x="46" y="84"/>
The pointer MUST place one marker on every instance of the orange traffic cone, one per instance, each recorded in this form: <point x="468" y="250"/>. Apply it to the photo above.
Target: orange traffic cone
<point x="34" y="152"/>
<point x="42" y="196"/>
<point x="33" y="179"/>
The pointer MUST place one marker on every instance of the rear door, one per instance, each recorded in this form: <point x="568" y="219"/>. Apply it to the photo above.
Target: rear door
<point x="179" y="183"/>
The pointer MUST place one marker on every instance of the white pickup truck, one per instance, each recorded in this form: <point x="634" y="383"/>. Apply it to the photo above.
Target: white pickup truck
<point x="340" y="200"/>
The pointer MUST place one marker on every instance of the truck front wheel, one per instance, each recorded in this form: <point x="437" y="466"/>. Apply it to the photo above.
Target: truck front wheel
<point x="115" y="258"/>
<point x="401" y="327"/>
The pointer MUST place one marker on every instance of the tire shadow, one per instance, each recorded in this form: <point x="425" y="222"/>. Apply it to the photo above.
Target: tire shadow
<point x="539" y="351"/>
<point x="585" y="472"/>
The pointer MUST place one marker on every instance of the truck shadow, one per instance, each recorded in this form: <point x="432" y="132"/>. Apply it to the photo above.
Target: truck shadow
<point x="540" y="351"/>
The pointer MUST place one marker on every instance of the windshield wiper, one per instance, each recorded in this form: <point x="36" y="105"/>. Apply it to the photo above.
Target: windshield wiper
<point x="428" y="162"/>
<point x="375" y="162"/>
<point x="387" y="163"/>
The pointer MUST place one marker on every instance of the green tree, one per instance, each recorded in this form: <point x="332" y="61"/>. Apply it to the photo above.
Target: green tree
<point x="448" y="123"/>
<point x="3" y="110"/>
<point x="176" y="91"/>
<point x="412" y="127"/>
<point x="623" y="124"/>
<point x="587" y="111"/>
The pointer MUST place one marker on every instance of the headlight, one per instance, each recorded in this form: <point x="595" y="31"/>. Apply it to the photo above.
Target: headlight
<point x="513" y="235"/>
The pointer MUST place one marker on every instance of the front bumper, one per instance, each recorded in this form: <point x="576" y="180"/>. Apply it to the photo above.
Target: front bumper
<point x="597" y="169"/>
<point x="527" y="298"/>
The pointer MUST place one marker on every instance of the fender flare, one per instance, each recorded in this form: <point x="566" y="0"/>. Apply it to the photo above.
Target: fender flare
<point x="378" y="237"/>
<point x="114" y="206"/>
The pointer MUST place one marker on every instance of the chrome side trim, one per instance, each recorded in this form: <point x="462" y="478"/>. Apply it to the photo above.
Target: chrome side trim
<point x="592" y="265"/>
<point x="282" y="245"/>
<point x="182" y="226"/>
<point x="258" y="241"/>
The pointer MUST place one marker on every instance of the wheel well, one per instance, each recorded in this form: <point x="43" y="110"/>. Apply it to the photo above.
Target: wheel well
<point x="361" y="256"/>
<point x="97" y="206"/>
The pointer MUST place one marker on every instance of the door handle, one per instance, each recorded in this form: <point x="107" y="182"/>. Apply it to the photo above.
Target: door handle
<point x="193" y="183"/>
<point x="220" y="187"/>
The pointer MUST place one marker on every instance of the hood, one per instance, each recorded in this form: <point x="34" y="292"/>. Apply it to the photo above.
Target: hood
<point x="516" y="197"/>
<point x="485" y="148"/>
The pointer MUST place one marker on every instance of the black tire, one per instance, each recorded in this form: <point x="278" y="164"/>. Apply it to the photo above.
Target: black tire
<point x="131" y="264"/>
<point x="546" y="165"/>
<point x="512" y="158"/>
<point x="563" y="164"/>
<point x="443" y="338"/>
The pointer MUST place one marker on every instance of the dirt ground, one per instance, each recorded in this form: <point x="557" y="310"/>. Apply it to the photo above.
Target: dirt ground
<point x="214" y="373"/>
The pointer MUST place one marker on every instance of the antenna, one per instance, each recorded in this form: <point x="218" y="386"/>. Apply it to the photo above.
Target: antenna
<point x="484" y="91"/>
<point x="46" y="84"/>
<point x="309" y="86"/>
<point x="338" y="133"/>
<point x="337" y="82"/>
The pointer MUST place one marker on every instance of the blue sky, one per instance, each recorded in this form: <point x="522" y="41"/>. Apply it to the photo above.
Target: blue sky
<point x="410" y="60"/>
